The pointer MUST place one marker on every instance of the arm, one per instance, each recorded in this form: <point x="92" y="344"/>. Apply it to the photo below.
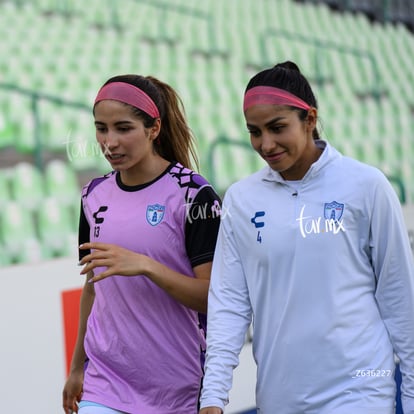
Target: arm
<point x="394" y="268"/>
<point x="200" y="239"/>
<point x="191" y="292"/>
<point x="72" y="390"/>
<point x="228" y="318"/>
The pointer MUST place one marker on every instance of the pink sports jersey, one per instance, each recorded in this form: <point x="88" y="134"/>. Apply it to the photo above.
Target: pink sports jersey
<point x="144" y="348"/>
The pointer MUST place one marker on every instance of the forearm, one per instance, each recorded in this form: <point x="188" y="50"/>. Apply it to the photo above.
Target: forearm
<point x="114" y="260"/>
<point x="86" y="302"/>
<point x="190" y="291"/>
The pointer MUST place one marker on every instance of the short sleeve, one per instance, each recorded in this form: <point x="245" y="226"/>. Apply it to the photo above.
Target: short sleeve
<point x="83" y="233"/>
<point x="202" y="224"/>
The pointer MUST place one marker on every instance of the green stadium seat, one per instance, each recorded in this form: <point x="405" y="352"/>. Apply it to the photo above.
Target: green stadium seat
<point x="57" y="233"/>
<point x="4" y="259"/>
<point x="27" y="185"/>
<point x="19" y="240"/>
<point x="84" y="155"/>
<point x="211" y="85"/>
<point x="226" y="157"/>
<point x="61" y="182"/>
<point x="82" y="150"/>
<point x="4" y="187"/>
<point x="7" y="133"/>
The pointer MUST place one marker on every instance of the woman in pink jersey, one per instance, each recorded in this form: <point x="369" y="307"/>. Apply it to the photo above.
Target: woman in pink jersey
<point x="147" y="235"/>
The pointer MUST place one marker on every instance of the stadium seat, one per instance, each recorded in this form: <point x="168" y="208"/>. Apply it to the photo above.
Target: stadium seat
<point x="19" y="240"/>
<point x="4" y="259"/>
<point x="27" y="185"/>
<point x="57" y="233"/>
<point x="4" y="186"/>
<point x="176" y="47"/>
<point x="226" y="157"/>
<point x="61" y="182"/>
<point x="24" y="131"/>
<point x="7" y="133"/>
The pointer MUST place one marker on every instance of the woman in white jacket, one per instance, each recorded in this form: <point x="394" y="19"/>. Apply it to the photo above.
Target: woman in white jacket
<point x="313" y="250"/>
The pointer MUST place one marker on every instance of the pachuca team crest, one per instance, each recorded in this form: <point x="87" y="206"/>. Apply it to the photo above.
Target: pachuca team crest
<point x="155" y="214"/>
<point x="333" y="211"/>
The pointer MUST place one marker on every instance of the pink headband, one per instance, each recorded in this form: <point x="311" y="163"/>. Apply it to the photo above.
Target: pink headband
<point x="129" y="94"/>
<point x="269" y="95"/>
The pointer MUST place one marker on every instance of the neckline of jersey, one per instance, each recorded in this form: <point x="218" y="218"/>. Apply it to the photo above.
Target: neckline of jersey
<point x="138" y="187"/>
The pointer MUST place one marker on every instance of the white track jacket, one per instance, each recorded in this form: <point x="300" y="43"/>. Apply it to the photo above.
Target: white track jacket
<point x="324" y="270"/>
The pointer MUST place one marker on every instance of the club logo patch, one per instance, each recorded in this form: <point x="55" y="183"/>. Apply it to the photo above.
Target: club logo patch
<point x="155" y="214"/>
<point x="333" y="211"/>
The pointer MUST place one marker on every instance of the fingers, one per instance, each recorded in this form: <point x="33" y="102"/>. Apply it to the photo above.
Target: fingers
<point x="72" y="393"/>
<point x="97" y="278"/>
<point x="95" y="246"/>
<point x="101" y="255"/>
<point x="92" y="256"/>
<point x="95" y="259"/>
<point x="69" y="405"/>
<point x="92" y="264"/>
<point x="114" y="259"/>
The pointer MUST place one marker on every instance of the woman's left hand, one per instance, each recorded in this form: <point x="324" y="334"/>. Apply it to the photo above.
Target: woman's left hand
<point x="117" y="260"/>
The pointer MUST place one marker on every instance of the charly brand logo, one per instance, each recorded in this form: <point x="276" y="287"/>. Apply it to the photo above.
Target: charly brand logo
<point x="155" y="214"/>
<point x="258" y="224"/>
<point x="97" y="215"/>
<point x="332" y="221"/>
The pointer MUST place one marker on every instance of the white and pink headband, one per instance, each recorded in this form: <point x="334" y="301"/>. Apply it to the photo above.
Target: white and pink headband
<point x="129" y="94"/>
<point x="260" y="95"/>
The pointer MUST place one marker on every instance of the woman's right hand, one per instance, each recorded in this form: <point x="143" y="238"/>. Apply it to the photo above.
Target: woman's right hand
<point x="72" y="392"/>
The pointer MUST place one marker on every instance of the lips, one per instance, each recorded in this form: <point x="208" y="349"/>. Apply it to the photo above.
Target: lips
<point x="114" y="158"/>
<point x="273" y="157"/>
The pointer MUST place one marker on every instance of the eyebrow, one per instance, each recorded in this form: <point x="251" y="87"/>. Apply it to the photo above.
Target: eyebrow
<point x="267" y="124"/>
<point x="116" y="123"/>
